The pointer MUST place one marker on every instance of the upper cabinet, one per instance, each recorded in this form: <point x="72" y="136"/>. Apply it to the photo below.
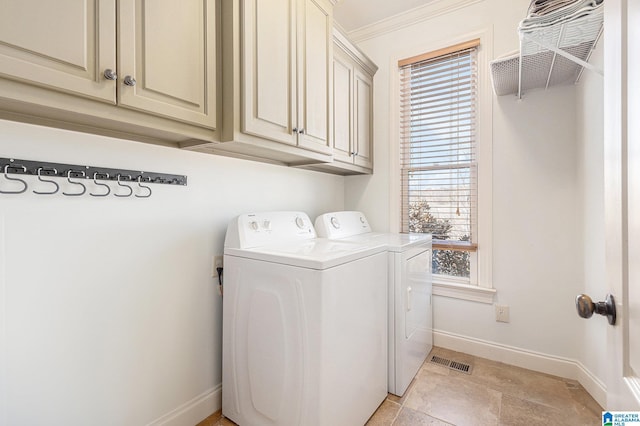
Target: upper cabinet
<point x="352" y="139"/>
<point x="63" y="45"/>
<point x="277" y="80"/>
<point x="266" y="80"/>
<point x="166" y="58"/>
<point x="152" y="56"/>
<point x="287" y="53"/>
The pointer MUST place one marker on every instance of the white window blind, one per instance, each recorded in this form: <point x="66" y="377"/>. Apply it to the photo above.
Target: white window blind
<point x="438" y="151"/>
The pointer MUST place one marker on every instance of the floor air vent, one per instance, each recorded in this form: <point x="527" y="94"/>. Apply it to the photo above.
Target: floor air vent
<point x="460" y="366"/>
<point x="442" y="361"/>
<point x="454" y="365"/>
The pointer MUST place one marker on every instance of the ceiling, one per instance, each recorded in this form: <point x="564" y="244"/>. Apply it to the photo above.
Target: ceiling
<point x="354" y="14"/>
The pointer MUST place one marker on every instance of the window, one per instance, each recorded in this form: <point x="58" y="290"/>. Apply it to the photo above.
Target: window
<point x="438" y="156"/>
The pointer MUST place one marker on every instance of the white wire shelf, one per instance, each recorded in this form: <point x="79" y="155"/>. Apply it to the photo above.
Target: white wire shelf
<point x="549" y="55"/>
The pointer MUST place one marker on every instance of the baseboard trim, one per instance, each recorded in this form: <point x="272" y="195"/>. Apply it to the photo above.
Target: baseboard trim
<point x="596" y="387"/>
<point x="194" y="411"/>
<point x="544" y="363"/>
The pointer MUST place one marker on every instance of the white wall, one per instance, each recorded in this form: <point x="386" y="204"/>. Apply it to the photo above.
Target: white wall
<point x="537" y="226"/>
<point x="108" y="311"/>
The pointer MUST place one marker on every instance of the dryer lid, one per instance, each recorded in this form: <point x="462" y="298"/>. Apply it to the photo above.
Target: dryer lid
<point x="353" y="226"/>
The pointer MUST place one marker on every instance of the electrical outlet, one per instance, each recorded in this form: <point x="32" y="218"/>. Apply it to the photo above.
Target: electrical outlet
<point x="217" y="263"/>
<point x="502" y="313"/>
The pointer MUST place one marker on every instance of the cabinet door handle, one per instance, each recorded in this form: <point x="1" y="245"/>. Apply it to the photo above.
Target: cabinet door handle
<point x="295" y="130"/>
<point x="110" y="74"/>
<point x="301" y="131"/>
<point x="129" y="81"/>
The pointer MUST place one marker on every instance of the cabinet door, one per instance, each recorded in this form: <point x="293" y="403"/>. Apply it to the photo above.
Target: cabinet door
<point x="363" y="117"/>
<point x="268" y="69"/>
<point x="315" y="52"/>
<point x="64" y="45"/>
<point x="342" y="107"/>
<point x="169" y="49"/>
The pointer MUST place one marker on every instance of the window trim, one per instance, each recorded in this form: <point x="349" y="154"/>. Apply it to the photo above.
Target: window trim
<point x="483" y="290"/>
<point x="457" y="290"/>
<point x="440" y="52"/>
<point x="454" y="245"/>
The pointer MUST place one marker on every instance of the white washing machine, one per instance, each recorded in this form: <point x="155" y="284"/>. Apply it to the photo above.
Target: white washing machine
<point x="304" y="324"/>
<point x="410" y="323"/>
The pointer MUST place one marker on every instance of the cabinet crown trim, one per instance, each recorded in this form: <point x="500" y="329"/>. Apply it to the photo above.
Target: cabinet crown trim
<point x="354" y="52"/>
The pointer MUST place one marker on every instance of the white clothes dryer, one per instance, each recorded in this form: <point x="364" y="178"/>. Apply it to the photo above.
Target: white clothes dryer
<point x="304" y="324"/>
<point x="410" y="324"/>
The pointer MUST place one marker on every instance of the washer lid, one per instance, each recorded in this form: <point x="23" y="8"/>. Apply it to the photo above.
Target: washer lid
<point x="319" y="253"/>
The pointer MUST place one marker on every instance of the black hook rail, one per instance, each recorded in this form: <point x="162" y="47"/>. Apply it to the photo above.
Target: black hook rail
<point x="44" y="168"/>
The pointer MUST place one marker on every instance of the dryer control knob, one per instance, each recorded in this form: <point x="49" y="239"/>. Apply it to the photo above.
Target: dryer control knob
<point x="300" y="222"/>
<point x="266" y="224"/>
<point x="254" y="225"/>
<point x="335" y="222"/>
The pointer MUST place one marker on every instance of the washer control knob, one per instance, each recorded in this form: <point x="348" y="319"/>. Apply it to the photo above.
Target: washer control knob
<point x="266" y="224"/>
<point x="300" y="222"/>
<point x="362" y="220"/>
<point x="254" y="225"/>
<point x="335" y="223"/>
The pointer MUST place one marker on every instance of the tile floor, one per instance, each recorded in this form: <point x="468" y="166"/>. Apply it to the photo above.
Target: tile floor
<point x="493" y="394"/>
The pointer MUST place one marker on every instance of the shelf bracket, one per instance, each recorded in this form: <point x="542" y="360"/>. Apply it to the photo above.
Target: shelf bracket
<point x="542" y="43"/>
<point x="561" y="52"/>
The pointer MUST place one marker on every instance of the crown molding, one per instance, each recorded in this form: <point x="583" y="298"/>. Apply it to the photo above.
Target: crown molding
<point x="347" y="46"/>
<point x="410" y="17"/>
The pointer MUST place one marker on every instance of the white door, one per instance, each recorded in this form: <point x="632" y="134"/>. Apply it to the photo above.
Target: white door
<point x="622" y="199"/>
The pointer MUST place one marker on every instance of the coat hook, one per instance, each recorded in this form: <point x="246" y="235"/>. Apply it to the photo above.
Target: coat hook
<point x="84" y="188"/>
<point x="145" y="187"/>
<point x="6" y="176"/>
<point x="41" y="179"/>
<point x="126" y="186"/>
<point x="95" y="177"/>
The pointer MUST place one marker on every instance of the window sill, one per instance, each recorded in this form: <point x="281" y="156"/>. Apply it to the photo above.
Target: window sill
<point x="454" y="245"/>
<point x="464" y="292"/>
